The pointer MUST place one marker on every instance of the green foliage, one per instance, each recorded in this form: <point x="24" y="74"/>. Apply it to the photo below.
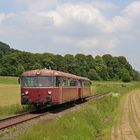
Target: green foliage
<point x="92" y="74"/>
<point x="125" y="76"/>
<point x="20" y="69"/>
<point x="106" y="67"/>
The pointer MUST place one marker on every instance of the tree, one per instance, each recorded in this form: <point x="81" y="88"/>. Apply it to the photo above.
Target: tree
<point x="48" y="61"/>
<point x="20" y="69"/>
<point x="60" y="63"/>
<point x="108" y="60"/>
<point x="106" y="67"/>
<point x="90" y="62"/>
<point x="36" y="66"/>
<point x="125" y="76"/>
<point x="70" y="63"/>
<point x="102" y="72"/>
<point x="92" y="74"/>
<point x="135" y="75"/>
<point x="81" y="65"/>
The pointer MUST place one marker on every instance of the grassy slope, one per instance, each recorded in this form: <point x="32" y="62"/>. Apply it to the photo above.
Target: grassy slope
<point x="93" y="121"/>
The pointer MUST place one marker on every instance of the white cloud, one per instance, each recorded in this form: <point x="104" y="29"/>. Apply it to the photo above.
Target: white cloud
<point x="68" y="14"/>
<point x="75" y="25"/>
<point x="132" y="10"/>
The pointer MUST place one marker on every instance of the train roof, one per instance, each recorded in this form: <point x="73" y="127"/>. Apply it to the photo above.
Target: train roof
<point x="46" y="72"/>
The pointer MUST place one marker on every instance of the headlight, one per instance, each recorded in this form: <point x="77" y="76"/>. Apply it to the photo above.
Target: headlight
<point x="49" y="92"/>
<point x="26" y="92"/>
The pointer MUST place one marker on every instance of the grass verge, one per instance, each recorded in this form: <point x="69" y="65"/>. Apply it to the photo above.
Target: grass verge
<point x="93" y="121"/>
<point x="85" y="123"/>
<point x="14" y="109"/>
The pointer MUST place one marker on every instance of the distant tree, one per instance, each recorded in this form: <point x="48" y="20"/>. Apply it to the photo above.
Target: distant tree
<point x="60" y="63"/>
<point x="92" y="74"/>
<point x="108" y="60"/>
<point x="125" y="76"/>
<point x="20" y="69"/>
<point x="102" y="72"/>
<point x="99" y="60"/>
<point x="90" y="62"/>
<point x="135" y="75"/>
<point x="81" y="65"/>
<point x="106" y="67"/>
<point x="8" y="71"/>
<point x="70" y="63"/>
<point x="36" y="66"/>
<point x="4" y="49"/>
<point x="48" y="61"/>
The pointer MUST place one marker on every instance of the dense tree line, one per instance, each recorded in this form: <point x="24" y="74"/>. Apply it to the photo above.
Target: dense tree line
<point x="106" y="67"/>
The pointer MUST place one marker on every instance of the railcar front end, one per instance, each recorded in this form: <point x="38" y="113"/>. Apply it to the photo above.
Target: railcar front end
<point x="39" y="90"/>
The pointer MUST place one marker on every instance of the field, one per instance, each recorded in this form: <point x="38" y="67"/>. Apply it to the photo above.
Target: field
<point x="93" y="121"/>
<point x="8" y="80"/>
<point x="10" y="97"/>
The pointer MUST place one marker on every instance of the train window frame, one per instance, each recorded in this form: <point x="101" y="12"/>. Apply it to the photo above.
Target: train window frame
<point x="65" y="82"/>
<point x="75" y="84"/>
<point x="62" y="81"/>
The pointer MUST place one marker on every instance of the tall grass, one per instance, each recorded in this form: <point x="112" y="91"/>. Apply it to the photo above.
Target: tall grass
<point x="86" y="123"/>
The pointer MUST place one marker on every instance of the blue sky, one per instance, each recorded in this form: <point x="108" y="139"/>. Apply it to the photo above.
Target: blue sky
<point x="71" y="26"/>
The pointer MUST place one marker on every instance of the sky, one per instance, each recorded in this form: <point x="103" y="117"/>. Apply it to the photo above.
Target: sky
<point x="93" y="27"/>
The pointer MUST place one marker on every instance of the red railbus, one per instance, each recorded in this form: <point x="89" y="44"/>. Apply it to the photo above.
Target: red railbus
<point x="51" y="87"/>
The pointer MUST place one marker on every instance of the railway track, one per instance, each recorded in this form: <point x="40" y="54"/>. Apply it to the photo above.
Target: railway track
<point x="9" y="122"/>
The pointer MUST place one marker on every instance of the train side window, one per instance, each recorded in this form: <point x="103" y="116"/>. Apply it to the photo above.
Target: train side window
<point x="73" y="82"/>
<point x="65" y="82"/>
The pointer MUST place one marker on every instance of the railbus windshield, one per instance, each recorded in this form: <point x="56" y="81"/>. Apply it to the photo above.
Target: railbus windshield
<point x="38" y="81"/>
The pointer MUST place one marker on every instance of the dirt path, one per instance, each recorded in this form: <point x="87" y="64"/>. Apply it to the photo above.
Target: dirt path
<point x="128" y="122"/>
